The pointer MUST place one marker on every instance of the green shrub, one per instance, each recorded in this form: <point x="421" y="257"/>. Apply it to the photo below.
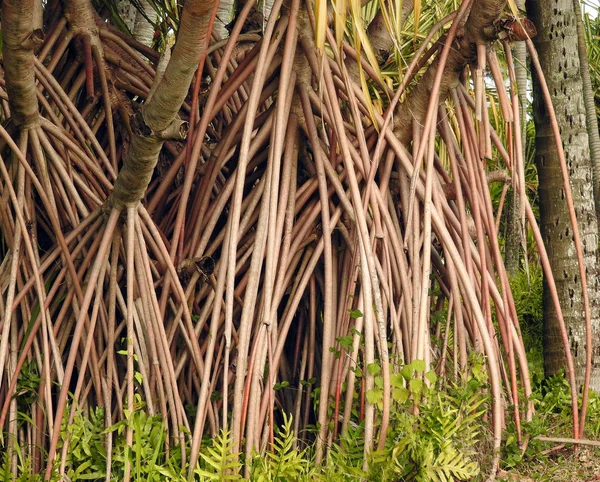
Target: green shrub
<point x="432" y="437"/>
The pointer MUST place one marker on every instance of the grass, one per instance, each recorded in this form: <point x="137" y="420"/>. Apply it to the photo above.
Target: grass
<point x="565" y="465"/>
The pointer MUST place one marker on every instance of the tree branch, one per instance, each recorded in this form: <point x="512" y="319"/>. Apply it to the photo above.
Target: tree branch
<point x="159" y="118"/>
<point x="20" y="39"/>
<point x="478" y="29"/>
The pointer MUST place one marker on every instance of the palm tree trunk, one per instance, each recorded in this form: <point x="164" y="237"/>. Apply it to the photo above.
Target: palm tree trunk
<point x="514" y="233"/>
<point x="143" y="30"/>
<point x="224" y="17"/>
<point x="557" y="46"/>
<point x="127" y="12"/>
<point x="590" y="104"/>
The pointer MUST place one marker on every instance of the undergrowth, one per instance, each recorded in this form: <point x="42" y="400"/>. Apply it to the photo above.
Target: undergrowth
<point x="438" y="433"/>
<point x="433" y="436"/>
<point x="527" y="290"/>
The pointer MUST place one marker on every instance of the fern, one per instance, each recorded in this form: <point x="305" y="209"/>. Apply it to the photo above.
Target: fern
<point x="437" y="444"/>
<point x="283" y="462"/>
<point x="347" y="458"/>
<point x="434" y="444"/>
<point x="220" y="462"/>
<point x="451" y="465"/>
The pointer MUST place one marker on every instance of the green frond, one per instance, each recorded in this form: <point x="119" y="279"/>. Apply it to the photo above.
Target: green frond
<point x="220" y="462"/>
<point x="283" y="461"/>
<point x="451" y="465"/>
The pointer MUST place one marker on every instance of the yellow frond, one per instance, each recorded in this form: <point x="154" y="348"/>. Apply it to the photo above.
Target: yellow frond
<point x="513" y="8"/>
<point x="417" y="16"/>
<point x="321" y="23"/>
<point x="340" y="7"/>
<point x="362" y="38"/>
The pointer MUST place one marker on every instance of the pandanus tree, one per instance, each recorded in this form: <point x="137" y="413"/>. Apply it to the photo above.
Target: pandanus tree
<point x="167" y="236"/>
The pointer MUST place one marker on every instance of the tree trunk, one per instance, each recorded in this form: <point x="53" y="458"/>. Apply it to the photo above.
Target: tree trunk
<point x="590" y="104"/>
<point x="143" y="30"/>
<point x="225" y="14"/>
<point x="514" y="232"/>
<point x="159" y="119"/>
<point x="556" y="42"/>
<point x="20" y="38"/>
<point x="478" y="29"/>
<point x="127" y="12"/>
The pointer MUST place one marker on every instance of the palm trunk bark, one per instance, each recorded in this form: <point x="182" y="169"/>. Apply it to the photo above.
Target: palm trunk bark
<point x="127" y="12"/>
<point x="143" y="30"/>
<point x="557" y="46"/>
<point x="514" y="232"/>
<point x="225" y="15"/>
<point x="590" y="103"/>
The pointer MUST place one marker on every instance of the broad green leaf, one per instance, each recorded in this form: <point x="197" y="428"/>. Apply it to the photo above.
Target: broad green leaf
<point x="407" y="372"/>
<point x="373" y="368"/>
<point x="418" y="366"/>
<point x="374" y="396"/>
<point x="416" y="385"/>
<point x="345" y="341"/>
<point x="431" y="376"/>
<point x="397" y="380"/>
<point x="354" y="314"/>
<point x="400" y="394"/>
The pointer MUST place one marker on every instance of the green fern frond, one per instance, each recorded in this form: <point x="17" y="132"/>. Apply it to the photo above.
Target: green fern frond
<point x="451" y="465"/>
<point x="346" y="458"/>
<point x="220" y="462"/>
<point x="283" y="462"/>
